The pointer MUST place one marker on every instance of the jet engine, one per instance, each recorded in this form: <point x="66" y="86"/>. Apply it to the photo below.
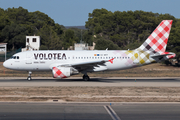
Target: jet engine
<point x="63" y="72"/>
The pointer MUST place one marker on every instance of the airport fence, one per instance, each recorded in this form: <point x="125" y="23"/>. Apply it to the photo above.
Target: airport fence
<point x="8" y="54"/>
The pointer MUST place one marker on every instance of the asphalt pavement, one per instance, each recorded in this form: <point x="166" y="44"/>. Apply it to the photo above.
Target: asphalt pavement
<point x="89" y="111"/>
<point x="77" y="81"/>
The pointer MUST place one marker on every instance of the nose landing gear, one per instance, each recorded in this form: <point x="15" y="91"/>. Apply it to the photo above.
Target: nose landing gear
<point x="29" y="76"/>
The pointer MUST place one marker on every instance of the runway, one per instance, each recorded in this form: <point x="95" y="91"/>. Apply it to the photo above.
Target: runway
<point x="89" y="111"/>
<point x="77" y="81"/>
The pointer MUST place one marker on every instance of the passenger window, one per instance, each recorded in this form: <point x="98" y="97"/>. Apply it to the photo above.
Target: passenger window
<point x="17" y="57"/>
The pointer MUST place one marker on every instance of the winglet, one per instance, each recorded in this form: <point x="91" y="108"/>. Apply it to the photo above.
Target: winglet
<point x="111" y="60"/>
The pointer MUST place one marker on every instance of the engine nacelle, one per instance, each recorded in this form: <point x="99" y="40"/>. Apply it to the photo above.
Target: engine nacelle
<point x="63" y="72"/>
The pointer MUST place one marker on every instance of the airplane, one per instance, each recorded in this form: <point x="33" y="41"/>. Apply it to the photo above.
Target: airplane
<point x="65" y="63"/>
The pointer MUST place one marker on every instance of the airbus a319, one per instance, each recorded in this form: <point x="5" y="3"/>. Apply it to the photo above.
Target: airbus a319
<point x="65" y="63"/>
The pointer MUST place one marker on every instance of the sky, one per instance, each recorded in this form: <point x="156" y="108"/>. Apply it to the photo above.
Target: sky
<point x="75" y="12"/>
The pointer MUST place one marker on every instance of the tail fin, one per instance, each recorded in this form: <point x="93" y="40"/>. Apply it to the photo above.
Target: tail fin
<point x="157" y="41"/>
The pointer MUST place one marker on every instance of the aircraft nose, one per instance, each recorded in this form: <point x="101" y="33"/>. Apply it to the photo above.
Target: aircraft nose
<point x="5" y="64"/>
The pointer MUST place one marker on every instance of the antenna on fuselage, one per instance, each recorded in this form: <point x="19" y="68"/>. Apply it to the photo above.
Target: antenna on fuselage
<point x="106" y="49"/>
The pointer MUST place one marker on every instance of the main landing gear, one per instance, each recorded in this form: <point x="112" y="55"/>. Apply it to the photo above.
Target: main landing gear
<point x="86" y="77"/>
<point x="29" y="76"/>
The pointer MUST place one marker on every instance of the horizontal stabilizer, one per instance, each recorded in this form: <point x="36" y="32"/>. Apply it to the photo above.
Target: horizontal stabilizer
<point x="163" y="56"/>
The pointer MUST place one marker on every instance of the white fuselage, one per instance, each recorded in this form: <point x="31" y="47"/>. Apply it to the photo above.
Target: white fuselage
<point x="45" y="60"/>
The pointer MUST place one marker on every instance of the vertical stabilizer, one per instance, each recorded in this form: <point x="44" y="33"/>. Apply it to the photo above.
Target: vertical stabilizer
<point x="157" y="41"/>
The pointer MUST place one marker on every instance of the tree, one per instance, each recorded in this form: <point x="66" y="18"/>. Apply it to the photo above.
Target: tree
<point x="174" y="39"/>
<point x="69" y="38"/>
<point x="49" y="38"/>
<point x="103" y="44"/>
<point x="16" y="23"/>
<point x="129" y="29"/>
<point x="14" y="35"/>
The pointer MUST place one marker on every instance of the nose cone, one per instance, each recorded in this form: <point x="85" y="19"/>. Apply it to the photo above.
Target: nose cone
<point x="6" y="64"/>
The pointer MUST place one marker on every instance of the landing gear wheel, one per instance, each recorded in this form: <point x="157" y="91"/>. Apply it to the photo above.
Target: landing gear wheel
<point x="29" y="78"/>
<point x="85" y="77"/>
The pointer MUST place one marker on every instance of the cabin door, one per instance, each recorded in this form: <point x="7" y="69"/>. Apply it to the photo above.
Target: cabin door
<point x="28" y="58"/>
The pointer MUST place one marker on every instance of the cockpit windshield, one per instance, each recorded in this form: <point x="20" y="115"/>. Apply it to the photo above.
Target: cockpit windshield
<point x="14" y="57"/>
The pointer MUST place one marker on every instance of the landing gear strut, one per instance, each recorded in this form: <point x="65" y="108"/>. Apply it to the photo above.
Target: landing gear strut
<point x="29" y="76"/>
<point x="85" y="77"/>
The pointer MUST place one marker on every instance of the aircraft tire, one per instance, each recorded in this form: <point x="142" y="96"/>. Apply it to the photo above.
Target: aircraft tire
<point x="86" y="78"/>
<point x="29" y="78"/>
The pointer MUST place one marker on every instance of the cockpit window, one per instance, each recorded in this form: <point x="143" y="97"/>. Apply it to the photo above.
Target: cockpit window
<point x="15" y="57"/>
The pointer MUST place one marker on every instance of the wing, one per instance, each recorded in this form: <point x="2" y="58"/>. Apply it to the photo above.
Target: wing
<point x="85" y="66"/>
